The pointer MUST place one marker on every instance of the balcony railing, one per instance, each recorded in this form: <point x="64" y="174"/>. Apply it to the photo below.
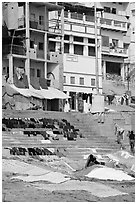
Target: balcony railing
<point x="77" y="16"/>
<point x="14" y="49"/>
<point x="118" y="50"/>
<point x="106" y="21"/>
<point x="114" y="23"/>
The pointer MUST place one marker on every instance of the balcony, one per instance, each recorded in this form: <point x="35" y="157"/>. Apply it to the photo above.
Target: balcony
<point x="14" y="49"/>
<point x="117" y="51"/>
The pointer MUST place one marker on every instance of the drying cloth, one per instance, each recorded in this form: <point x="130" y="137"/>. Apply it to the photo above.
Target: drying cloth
<point x="53" y="177"/>
<point x="25" y="81"/>
<point x="107" y="173"/>
<point x="22" y="168"/>
<point x="43" y="83"/>
<point x="123" y="157"/>
<point x="96" y="189"/>
<point x="34" y="81"/>
<point x="18" y="82"/>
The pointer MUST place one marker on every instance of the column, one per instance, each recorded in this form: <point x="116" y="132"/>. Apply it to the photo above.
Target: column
<point x="71" y="47"/>
<point x="122" y="71"/>
<point x="85" y="52"/>
<point x="76" y="101"/>
<point x="104" y="69"/>
<point x="45" y="54"/>
<point x="46" y="20"/>
<point x="27" y="62"/>
<point x="10" y="80"/>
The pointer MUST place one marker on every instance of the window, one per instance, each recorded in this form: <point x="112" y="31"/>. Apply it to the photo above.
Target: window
<point x="31" y="44"/>
<point x="91" y="40"/>
<point x="32" y="72"/>
<point x="92" y="82"/>
<point x="78" y="49"/>
<point x="72" y="80"/>
<point x="78" y="39"/>
<point x="66" y="37"/>
<point x="41" y="20"/>
<point x="64" y="79"/>
<point x="38" y="72"/>
<point x="66" y="48"/>
<point x="41" y="46"/>
<point x="114" y="10"/>
<point x="107" y="9"/>
<point x="81" y="81"/>
<point x="91" y="51"/>
<point x="52" y="46"/>
<point x="133" y="12"/>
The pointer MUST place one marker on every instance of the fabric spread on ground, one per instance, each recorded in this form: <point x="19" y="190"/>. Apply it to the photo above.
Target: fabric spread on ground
<point x="106" y="173"/>
<point x="124" y="158"/>
<point x="22" y="168"/>
<point x="52" y="177"/>
<point x="96" y="189"/>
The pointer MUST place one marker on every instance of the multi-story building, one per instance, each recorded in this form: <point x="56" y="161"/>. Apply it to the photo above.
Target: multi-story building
<point x="78" y="46"/>
<point x="130" y="35"/>
<point x="94" y="47"/>
<point x="34" y="45"/>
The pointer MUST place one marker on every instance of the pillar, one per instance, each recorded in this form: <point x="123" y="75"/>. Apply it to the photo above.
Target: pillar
<point x="71" y="47"/>
<point x="45" y="54"/>
<point x="85" y="47"/>
<point x="10" y="69"/>
<point x="122" y="71"/>
<point x="104" y="69"/>
<point x="27" y="62"/>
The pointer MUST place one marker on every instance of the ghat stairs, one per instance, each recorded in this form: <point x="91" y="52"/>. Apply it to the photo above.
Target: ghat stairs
<point x="96" y="136"/>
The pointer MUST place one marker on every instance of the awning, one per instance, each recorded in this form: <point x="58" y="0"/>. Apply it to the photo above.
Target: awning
<point x="24" y="92"/>
<point x="58" y="94"/>
<point x="50" y="93"/>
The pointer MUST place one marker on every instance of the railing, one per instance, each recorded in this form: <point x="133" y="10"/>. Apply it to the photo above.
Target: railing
<point x="119" y="24"/>
<point x="77" y="16"/>
<point x="90" y="18"/>
<point x="110" y="22"/>
<point x="106" y="21"/>
<point x="118" y="50"/>
<point x="14" y="49"/>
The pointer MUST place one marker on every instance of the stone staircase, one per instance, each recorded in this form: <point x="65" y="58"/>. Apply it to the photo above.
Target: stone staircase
<point x="94" y="134"/>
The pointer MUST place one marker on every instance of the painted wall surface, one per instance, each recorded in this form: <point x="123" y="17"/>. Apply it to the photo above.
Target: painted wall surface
<point x="113" y="35"/>
<point x="79" y="64"/>
<point x="19" y="63"/>
<point x="87" y="87"/>
<point x="116" y="5"/>
<point x="38" y="11"/>
<point x="54" y="69"/>
<point x="37" y="65"/>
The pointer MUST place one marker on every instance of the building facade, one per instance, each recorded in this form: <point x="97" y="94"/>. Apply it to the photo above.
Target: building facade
<point x="77" y="46"/>
<point x="94" y="46"/>
<point x="34" y="45"/>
